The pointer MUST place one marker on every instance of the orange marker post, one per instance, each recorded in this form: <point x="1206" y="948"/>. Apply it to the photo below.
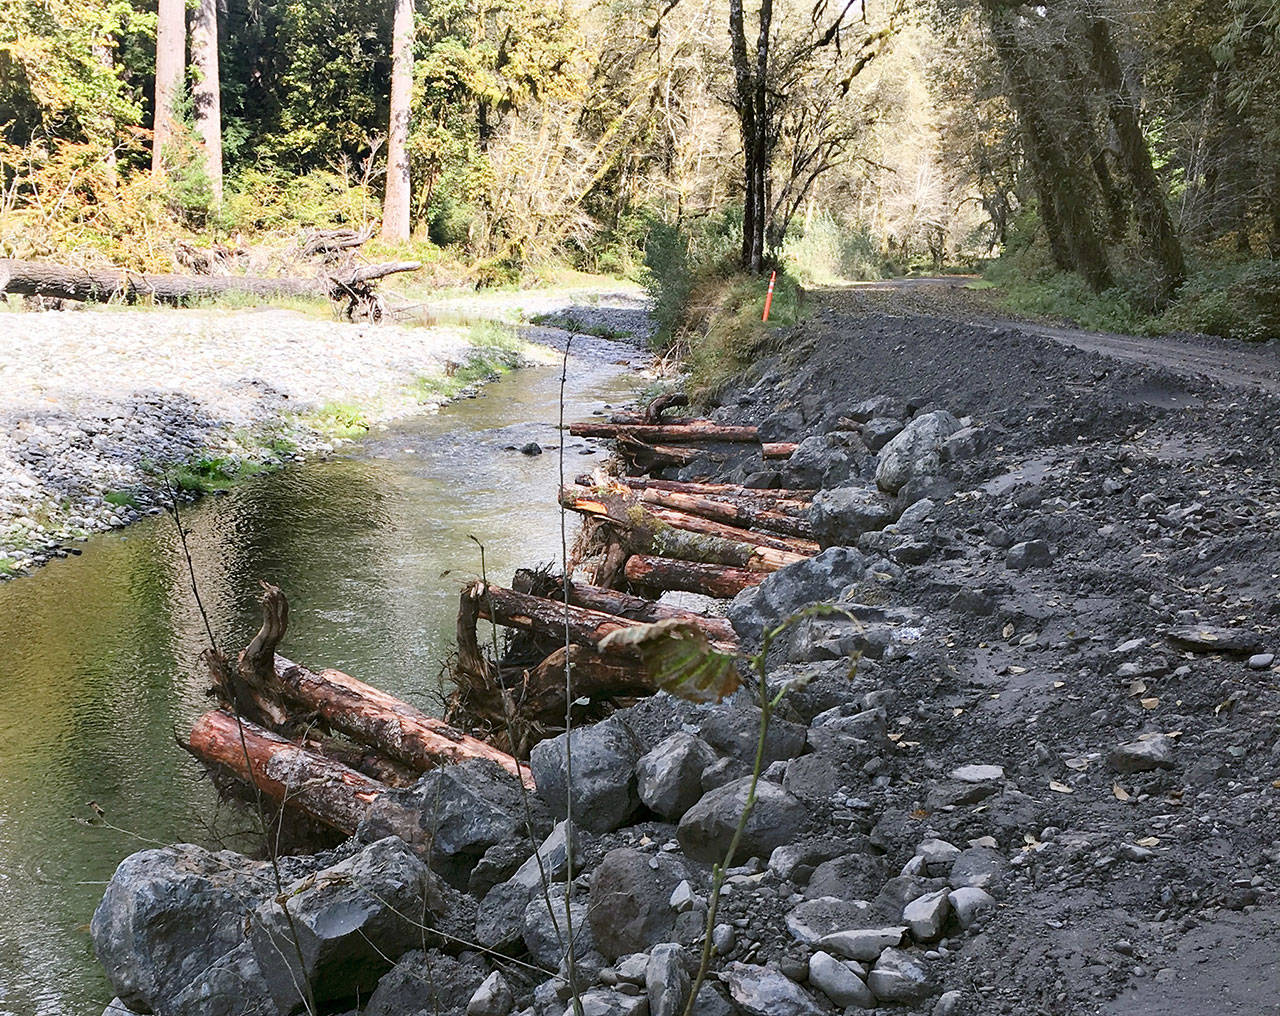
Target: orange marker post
<point x="768" y="300"/>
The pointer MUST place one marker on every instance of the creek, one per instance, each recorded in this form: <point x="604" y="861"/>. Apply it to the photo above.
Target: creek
<point x="100" y="665"/>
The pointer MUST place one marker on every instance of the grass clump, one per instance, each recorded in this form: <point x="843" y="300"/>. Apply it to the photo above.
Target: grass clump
<point x="121" y="498"/>
<point x="338" y="420"/>
<point x="209" y="473"/>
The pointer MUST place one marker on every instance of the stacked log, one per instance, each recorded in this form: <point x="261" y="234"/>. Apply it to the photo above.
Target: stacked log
<point x="648" y="441"/>
<point x="663" y="574"/>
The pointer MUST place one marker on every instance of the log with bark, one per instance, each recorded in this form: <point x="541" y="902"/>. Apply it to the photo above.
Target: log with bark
<point x="643" y="457"/>
<point x="619" y="506"/>
<point x="736" y="512"/>
<point x="284" y="696"/>
<point x="786" y="499"/>
<point x="636" y="608"/>
<point x="286" y="775"/>
<point x="664" y="573"/>
<point x="694" y="431"/>
<point x="778" y="449"/>
<point x="33" y="278"/>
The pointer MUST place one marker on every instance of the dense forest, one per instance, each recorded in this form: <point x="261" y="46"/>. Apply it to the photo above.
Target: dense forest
<point x="1122" y="160"/>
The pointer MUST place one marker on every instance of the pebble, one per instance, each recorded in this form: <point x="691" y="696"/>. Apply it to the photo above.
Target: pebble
<point x="1261" y="661"/>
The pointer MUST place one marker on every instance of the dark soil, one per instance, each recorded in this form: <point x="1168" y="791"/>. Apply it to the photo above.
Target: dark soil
<point x="1158" y="490"/>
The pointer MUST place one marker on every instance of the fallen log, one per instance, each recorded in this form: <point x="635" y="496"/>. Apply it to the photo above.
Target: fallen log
<point x="273" y="691"/>
<point x="285" y="774"/>
<point x="620" y="507"/>
<point x="741" y="514"/>
<point x="636" y="608"/>
<point x="382" y="721"/>
<point x="664" y="573"/>
<point x="582" y="626"/>
<point x="695" y="431"/>
<point x="645" y="457"/>
<point x="788" y="498"/>
<point x="67" y="282"/>
<point x="778" y="449"/>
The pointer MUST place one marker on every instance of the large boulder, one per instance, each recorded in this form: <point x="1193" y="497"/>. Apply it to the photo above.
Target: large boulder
<point x="345" y="921"/>
<point x="500" y="917"/>
<point x="604" y="774"/>
<point x="818" y="579"/>
<point x="666" y="980"/>
<point x="820" y="461"/>
<point x="631" y="901"/>
<point x="916" y="452"/>
<point x="839" y="517"/>
<point x="735" y="731"/>
<point x="853" y="876"/>
<point x="432" y="982"/>
<point x="233" y="986"/>
<point x="669" y="778"/>
<point x="169" y="914"/>
<point x="708" y="827"/>
<point x="462" y="810"/>
<point x="759" y="991"/>
<point x="546" y="929"/>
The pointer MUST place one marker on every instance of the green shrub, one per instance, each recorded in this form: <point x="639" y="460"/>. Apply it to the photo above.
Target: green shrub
<point x="830" y="252"/>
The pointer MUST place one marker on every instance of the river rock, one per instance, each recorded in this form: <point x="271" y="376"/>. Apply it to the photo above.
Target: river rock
<point x="811" y="921"/>
<point x="169" y="914"/>
<point x="971" y="905"/>
<point x="666" y="980"/>
<point x="762" y="992"/>
<point x="982" y="867"/>
<point x="735" y="731"/>
<point x="839" y="983"/>
<point x="233" y="986"/>
<point x="819" y="461"/>
<point x="604" y="774"/>
<point x="669" y="778"/>
<point x="926" y="916"/>
<point x="546" y="930"/>
<point x="853" y="876"/>
<point x="897" y="977"/>
<point x="1030" y="554"/>
<point x="706" y="829"/>
<point x="796" y="861"/>
<point x="915" y="452"/>
<point x="864" y="944"/>
<point x="1144" y="755"/>
<point x="879" y="430"/>
<point x="631" y="900"/>
<point x="607" y="1002"/>
<point x="500" y="917"/>
<point x="348" y="919"/>
<point x="818" y="579"/>
<point x="492" y="998"/>
<point x="840" y="516"/>
<point x="464" y="810"/>
<point x="431" y="982"/>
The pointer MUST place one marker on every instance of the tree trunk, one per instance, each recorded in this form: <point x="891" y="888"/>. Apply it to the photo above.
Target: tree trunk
<point x="778" y="449"/>
<point x="395" y="209"/>
<point x="381" y="721"/>
<point x="171" y="59"/>
<point x="635" y="608"/>
<point x="1154" y="222"/>
<point x="206" y="95"/>
<point x="779" y="498"/>
<point x="662" y="573"/>
<point x="623" y="507"/>
<point x="695" y="431"/>
<point x="33" y="278"/>
<point x="746" y="516"/>
<point x="285" y="774"/>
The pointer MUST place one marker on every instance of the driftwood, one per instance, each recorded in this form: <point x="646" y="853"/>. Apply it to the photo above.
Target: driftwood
<point x="694" y="431"/>
<point x="778" y="449"/>
<point x="32" y="278"/>
<point x="664" y="573"/>
<point x="635" y="608"/>
<point x="622" y="508"/>
<point x="741" y="512"/>
<point x="644" y="457"/>
<point x="276" y="694"/>
<point x="779" y="498"/>
<point x="329" y="243"/>
<point x="286" y="775"/>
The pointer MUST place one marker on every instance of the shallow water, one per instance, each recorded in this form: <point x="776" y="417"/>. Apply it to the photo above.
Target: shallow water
<point x="98" y="653"/>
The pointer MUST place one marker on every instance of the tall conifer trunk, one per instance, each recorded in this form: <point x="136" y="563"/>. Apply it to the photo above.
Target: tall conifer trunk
<point x="395" y="208"/>
<point x="171" y="58"/>
<point x="206" y="92"/>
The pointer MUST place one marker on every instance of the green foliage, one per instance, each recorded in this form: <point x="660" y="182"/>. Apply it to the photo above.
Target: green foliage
<point x="677" y="257"/>
<point x="121" y="498"/>
<point x="679" y="659"/>
<point x="209" y="473"/>
<point x="338" y="420"/>
<point x="828" y="251"/>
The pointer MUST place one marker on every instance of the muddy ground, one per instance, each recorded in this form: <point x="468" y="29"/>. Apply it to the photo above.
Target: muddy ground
<point x="1157" y="490"/>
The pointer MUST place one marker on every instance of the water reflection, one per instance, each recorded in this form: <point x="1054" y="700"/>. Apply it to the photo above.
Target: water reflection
<point x="98" y="654"/>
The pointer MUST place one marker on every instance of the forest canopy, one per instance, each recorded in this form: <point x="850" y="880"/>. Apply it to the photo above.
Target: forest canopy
<point x="1108" y="146"/>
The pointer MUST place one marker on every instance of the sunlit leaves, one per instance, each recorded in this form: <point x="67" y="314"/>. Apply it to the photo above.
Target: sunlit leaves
<point x="679" y="659"/>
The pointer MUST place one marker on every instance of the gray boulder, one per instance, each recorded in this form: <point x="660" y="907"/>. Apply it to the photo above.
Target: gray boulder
<point x="607" y="1002"/>
<point x="546" y="930"/>
<point x="971" y="905"/>
<point x="735" y="731"/>
<point x="863" y="944"/>
<point x="500" y="917"/>
<point x="819" y="579"/>
<point x="966" y="443"/>
<point x="852" y="876"/>
<point x="897" y="977"/>
<point x="463" y="810"/>
<point x="669" y="778"/>
<point x="169" y="914"/>
<point x="492" y="998"/>
<point x="916" y="452"/>
<point x="347" y="920"/>
<point x="813" y="920"/>
<point x="1030" y="554"/>
<point x="1148" y="753"/>
<point x="631" y="900"/>
<point x="926" y="916"/>
<point x="666" y="980"/>
<point x="758" y="991"/>
<point x="425" y="982"/>
<point x="978" y="866"/>
<point x="879" y="430"/>
<point x="604" y="774"/>
<point x="707" y="828"/>
<point x="838" y="982"/>
<point x="233" y="986"/>
<point x="819" y="461"/>
<point x="839" y="517"/>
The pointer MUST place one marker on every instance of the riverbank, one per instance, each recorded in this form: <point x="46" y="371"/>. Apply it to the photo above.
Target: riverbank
<point x="1048" y="785"/>
<point x="100" y="408"/>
